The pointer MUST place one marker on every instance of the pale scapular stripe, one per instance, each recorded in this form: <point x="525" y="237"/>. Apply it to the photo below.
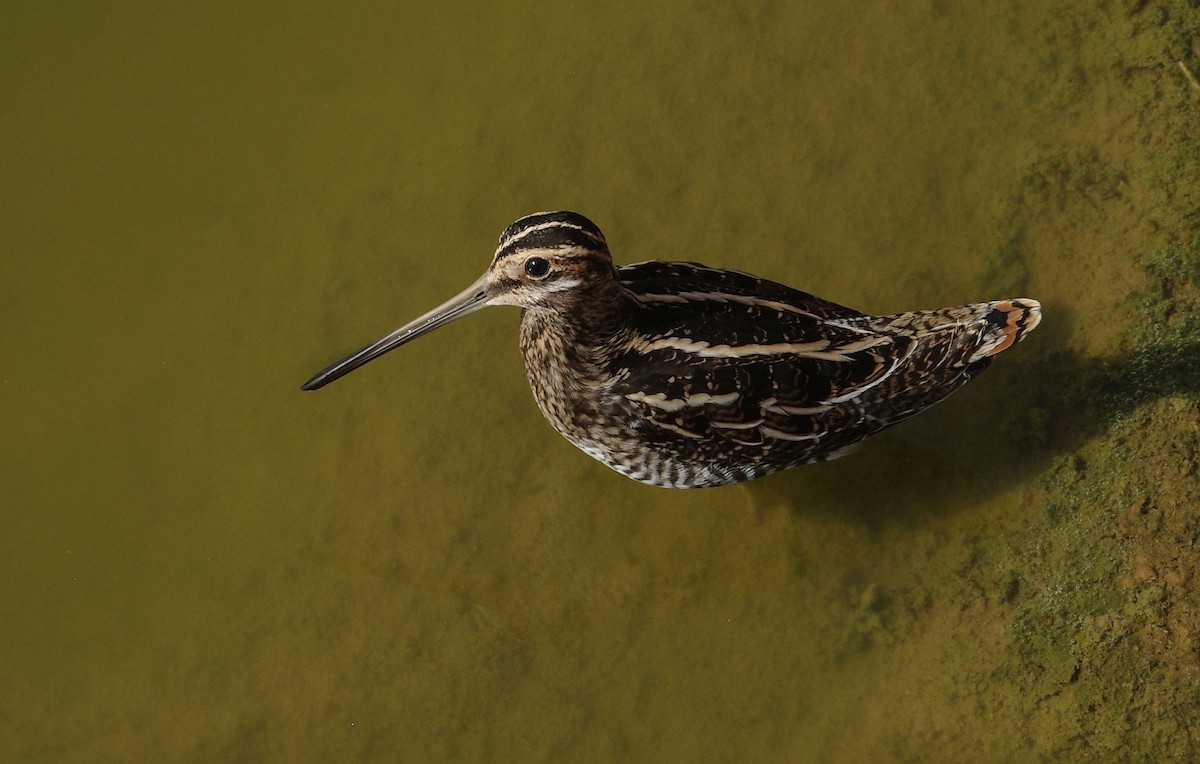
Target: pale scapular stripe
<point x="680" y="430"/>
<point x="771" y="432"/>
<point x="661" y="401"/>
<point x="865" y="344"/>
<point x="704" y="349"/>
<point x="857" y="391"/>
<point x="736" y="425"/>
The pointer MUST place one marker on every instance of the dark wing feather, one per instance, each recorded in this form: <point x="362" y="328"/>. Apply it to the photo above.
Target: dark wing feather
<point x="807" y="369"/>
<point x="656" y="277"/>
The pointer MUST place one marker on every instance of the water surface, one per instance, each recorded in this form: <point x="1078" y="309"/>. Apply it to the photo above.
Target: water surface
<point x="202" y="207"/>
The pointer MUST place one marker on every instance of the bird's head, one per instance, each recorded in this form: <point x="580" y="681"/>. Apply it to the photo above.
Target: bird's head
<point x="548" y="260"/>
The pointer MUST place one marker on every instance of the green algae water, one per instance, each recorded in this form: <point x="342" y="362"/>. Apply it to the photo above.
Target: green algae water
<point x="202" y="207"/>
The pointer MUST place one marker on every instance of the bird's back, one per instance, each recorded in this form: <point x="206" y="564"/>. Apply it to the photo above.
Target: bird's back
<point x="737" y="376"/>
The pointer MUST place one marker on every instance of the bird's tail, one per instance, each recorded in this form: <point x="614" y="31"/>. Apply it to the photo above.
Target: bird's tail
<point x="1006" y="322"/>
<point x="954" y="338"/>
<point x="944" y="349"/>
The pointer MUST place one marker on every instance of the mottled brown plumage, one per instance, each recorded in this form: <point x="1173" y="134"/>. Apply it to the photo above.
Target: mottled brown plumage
<point x="681" y="375"/>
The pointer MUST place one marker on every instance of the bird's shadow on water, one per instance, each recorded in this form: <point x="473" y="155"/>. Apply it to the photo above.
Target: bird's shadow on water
<point x="1033" y="405"/>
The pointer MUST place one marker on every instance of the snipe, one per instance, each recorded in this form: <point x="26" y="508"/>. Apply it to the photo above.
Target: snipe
<point x="681" y="375"/>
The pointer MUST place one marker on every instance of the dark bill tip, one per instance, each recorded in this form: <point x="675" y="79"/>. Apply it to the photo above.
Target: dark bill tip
<point x="469" y="300"/>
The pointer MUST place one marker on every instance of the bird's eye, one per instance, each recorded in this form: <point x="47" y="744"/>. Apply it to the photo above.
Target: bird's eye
<point x="537" y="267"/>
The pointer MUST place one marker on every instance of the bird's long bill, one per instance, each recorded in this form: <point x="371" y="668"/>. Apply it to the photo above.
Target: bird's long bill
<point x="467" y="301"/>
